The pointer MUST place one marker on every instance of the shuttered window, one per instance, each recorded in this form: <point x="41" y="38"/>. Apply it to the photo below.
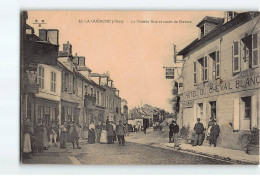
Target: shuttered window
<point x="236" y="57"/>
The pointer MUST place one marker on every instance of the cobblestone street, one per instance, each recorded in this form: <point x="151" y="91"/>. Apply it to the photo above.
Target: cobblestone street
<point x="112" y="154"/>
<point x="137" y="154"/>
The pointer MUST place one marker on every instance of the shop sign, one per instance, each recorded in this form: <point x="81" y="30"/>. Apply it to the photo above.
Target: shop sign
<point x="239" y="84"/>
<point x="187" y="104"/>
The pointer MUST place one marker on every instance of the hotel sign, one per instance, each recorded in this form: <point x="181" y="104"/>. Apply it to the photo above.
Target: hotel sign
<point x="169" y="73"/>
<point x="243" y="82"/>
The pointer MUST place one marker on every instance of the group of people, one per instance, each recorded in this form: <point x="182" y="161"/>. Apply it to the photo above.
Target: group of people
<point x="44" y="135"/>
<point x="212" y="134"/>
<point x="107" y="132"/>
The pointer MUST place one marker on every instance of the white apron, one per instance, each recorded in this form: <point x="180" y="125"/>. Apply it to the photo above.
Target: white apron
<point x="103" y="137"/>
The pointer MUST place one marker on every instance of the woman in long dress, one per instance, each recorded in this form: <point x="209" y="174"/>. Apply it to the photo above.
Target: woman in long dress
<point x="103" y="137"/>
<point x="98" y="132"/>
<point x="91" y="133"/>
<point x="45" y="137"/>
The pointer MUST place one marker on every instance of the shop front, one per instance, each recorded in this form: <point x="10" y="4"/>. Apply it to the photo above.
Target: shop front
<point x="69" y="111"/>
<point x="46" y="110"/>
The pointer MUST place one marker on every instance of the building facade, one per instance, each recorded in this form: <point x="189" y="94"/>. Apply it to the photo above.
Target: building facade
<point x="220" y="76"/>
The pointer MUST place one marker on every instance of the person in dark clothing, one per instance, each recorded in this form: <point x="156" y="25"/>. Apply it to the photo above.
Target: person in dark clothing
<point x="75" y="135"/>
<point x="120" y="131"/>
<point x="214" y="131"/>
<point x="110" y="133"/>
<point x="199" y="129"/>
<point x="173" y="133"/>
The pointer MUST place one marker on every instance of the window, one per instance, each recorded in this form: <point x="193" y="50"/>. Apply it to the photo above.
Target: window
<point x="97" y="97"/>
<point x="255" y="50"/>
<point x="204" y="68"/>
<point x="75" y="87"/>
<point x="215" y="64"/>
<point x="236" y="60"/>
<point x="41" y="77"/>
<point x="70" y="83"/>
<point x="245" y="110"/>
<point x="47" y="113"/>
<point x="53" y="81"/>
<point x="200" y="111"/>
<point x="63" y="81"/>
<point x="86" y="90"/>
<point x="213" y="109"/>
<point x="102" y="99"/>
<point x="79" y="91"/>
<point x="202" y="31"/>
<point x="91" y="90"/>
<point x="195" y="72"/>
<point x="247" y="107"/>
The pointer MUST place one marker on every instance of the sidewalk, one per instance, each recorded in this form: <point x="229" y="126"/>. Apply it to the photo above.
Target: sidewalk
<point x="160" y="139"/>
<point x="55" y="155"/>
<point x="237" y="156"/>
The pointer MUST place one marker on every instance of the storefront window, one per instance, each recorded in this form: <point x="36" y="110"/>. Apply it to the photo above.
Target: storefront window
<point x="213" y="109"/>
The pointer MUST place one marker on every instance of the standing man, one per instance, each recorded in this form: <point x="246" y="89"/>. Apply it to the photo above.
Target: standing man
<point x="171" y="131"/>
<point x="110" y="133"/>
<point x="175" y="134"/>
<point x="75" y="135"/>
<point x="214" y="131"/>
<point x="120" y="131"/>
<point x="199" y="129"/>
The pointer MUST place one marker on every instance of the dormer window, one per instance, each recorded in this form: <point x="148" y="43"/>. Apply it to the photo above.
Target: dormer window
<point x="202" y="31"/>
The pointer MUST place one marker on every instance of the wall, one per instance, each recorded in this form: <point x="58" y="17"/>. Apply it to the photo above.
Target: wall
<point x="224" y="90"/>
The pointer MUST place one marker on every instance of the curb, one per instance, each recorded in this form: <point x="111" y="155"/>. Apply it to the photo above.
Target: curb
<point x="228" y="159"/>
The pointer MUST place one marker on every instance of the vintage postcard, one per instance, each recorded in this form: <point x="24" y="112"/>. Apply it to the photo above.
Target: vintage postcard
<point x="139" y="87"/>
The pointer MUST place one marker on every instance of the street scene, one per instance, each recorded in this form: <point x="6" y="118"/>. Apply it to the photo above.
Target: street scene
<point x="140" y="87"/>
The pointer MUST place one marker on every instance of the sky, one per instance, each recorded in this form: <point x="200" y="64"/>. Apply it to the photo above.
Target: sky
<point x="133" y="52"/>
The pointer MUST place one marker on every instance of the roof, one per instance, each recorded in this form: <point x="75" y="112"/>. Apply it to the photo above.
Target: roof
<point x="240" y="19"/>
<point x="29" y="27"/>
<point x="63" y="54"/>
<point x="214" y="20"/>
<point x="82" y="68"/>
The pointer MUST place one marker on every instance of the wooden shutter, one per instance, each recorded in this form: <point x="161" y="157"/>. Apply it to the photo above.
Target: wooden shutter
<point x="194" y="73"/>
<point x="217" y="64"/>
<point x="205" y="68"/>
<point x="254" y="50"/>
<point x="236" y="115"/>
<point x="254" y="111"/>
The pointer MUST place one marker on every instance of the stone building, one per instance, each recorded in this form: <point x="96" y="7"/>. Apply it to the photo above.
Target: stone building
<point x="220" y="76"/>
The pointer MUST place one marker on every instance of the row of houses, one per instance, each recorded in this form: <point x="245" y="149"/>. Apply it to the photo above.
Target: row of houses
<point x="58" y="86"/>
<point x="220" y="76"/>
<point x="147" y="115"/>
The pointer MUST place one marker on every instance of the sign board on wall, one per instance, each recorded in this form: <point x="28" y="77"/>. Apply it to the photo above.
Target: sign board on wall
<point x="213" y="89"/>
<point x="169" y="73"/>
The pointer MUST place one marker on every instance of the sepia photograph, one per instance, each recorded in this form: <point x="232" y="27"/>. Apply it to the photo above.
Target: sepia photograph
<point x="139" y="87"/>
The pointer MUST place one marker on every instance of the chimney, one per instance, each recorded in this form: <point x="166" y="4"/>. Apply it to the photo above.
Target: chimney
<point x="50" y="35"/>
<point x="43" y="34"/>
<point x="67" y="47"/>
